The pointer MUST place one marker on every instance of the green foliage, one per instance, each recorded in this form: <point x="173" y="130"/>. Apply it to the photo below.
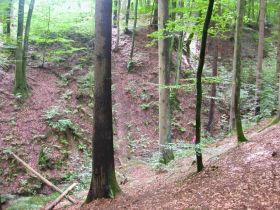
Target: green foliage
<point x="87" y="82"/>
<point x="55" y="119"/>
<point x="44" y="161"/>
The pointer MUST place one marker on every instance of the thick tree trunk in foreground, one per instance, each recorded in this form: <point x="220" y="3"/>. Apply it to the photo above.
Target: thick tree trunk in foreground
<point x="199" y="85"/>
<point x="236" y="83"/>
<point x="260" y="56"/>
<point x="20" y="77"/>
<point x="103" y="183"/>
<point x="164" y="80"/>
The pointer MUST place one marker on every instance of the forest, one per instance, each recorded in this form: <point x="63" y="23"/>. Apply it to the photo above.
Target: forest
<point x="139" y="104"/>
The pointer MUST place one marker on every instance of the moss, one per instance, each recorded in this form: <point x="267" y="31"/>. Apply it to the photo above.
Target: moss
<point x="113" y="185"/>
<point x="30" y="203"/>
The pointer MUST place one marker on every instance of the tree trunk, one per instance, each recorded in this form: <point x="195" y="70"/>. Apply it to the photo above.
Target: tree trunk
<point x="130" y="62"/>
<point x="20" y="77"/>
<point x="127" y="16"/>
<point x="103" y="182"/>
<point x="26" y="36"/>
<point x="278" y="62"/>
<point x="155" y="15"/>
<point x="236" y="83"/>
<point x="118" y="25"/>
<point x="199" y="85"/>
<point x="115" y="15"/>
<point x="8" y="18"/>
<point x="260" y="56"/>
<point x="164" y="80"/>
<point x="213" y="88"/>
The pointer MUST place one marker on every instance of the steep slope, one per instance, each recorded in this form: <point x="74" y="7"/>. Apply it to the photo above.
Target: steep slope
<point x="247" y="176"/>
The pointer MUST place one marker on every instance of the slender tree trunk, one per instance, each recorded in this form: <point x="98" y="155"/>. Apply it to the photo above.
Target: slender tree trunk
<point x="173" y="13"/>
<point x="211" y="117"/>
<point x="199" y="84"/>
<point x="164" y="80"/>
<point x="118" y="25"/>
<point x="213" y="88"/>
<point x="103" y="183"/>
<point x="8" y="18"/>
<point x="20" y="77"/>
<point x="155" y="15"/>
<point x="260" y="56"/>
<point x="236" y="83"/>
<point x="115" y="15"/>
<point x="134" y="30"/>
<point x="26" y="36"/>
<point x="127" y="16"/>
<point x="278" y="62"/>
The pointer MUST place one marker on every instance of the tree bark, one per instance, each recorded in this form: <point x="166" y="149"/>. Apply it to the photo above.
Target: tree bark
<point x="127" y="16"/>
<point x="199" y="84"/>
<point x="155" y="15"/>
<point x="278" y="62"/>
<point x="236" y="83"/>
<point x="118" y="25"/>
<point x="134" y="30"/>
<point x="103" y="182"/>
<point x="213" y="88"/>
<point x="260" y="56"/>
<point x="20" y="77"/>
<point x="26" y="36"/>
<point x="164" y="80"/>
<point x="115" y="15"/>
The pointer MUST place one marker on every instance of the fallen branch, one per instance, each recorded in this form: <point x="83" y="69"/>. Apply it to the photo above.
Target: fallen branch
<point x="42" y="178"/>
<point x="54" y="203"/>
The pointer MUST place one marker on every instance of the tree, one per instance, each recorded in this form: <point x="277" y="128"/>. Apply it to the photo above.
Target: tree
<point x="236" y="79"/>
<point x="278" y="64"/>
<point x="22" y="48"/>
<point x="213" y="88"/>
<point x="164" y="80"/>
<point x="26" y="35"/>
<point x="115" y="13"/>
<point x="215" y="58"/>
<point x="20" y="77"/>
<point x="130" y="64"/>
<point x="260" y="55"/>
<point x="154" y="19"/>
<point x="199" y="84"/>
<point x="103" y="182"/>
<point x="118" y="26"/>
<point x="127" y="17"/>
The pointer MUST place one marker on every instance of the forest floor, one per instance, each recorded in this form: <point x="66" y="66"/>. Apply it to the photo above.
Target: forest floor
<point x="233" y="172"/>
<point x="244" y="176"/>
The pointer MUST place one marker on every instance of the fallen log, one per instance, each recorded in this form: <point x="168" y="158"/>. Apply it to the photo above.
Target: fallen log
<point x="56" y="201"/>
<point x="72" y="200"/>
